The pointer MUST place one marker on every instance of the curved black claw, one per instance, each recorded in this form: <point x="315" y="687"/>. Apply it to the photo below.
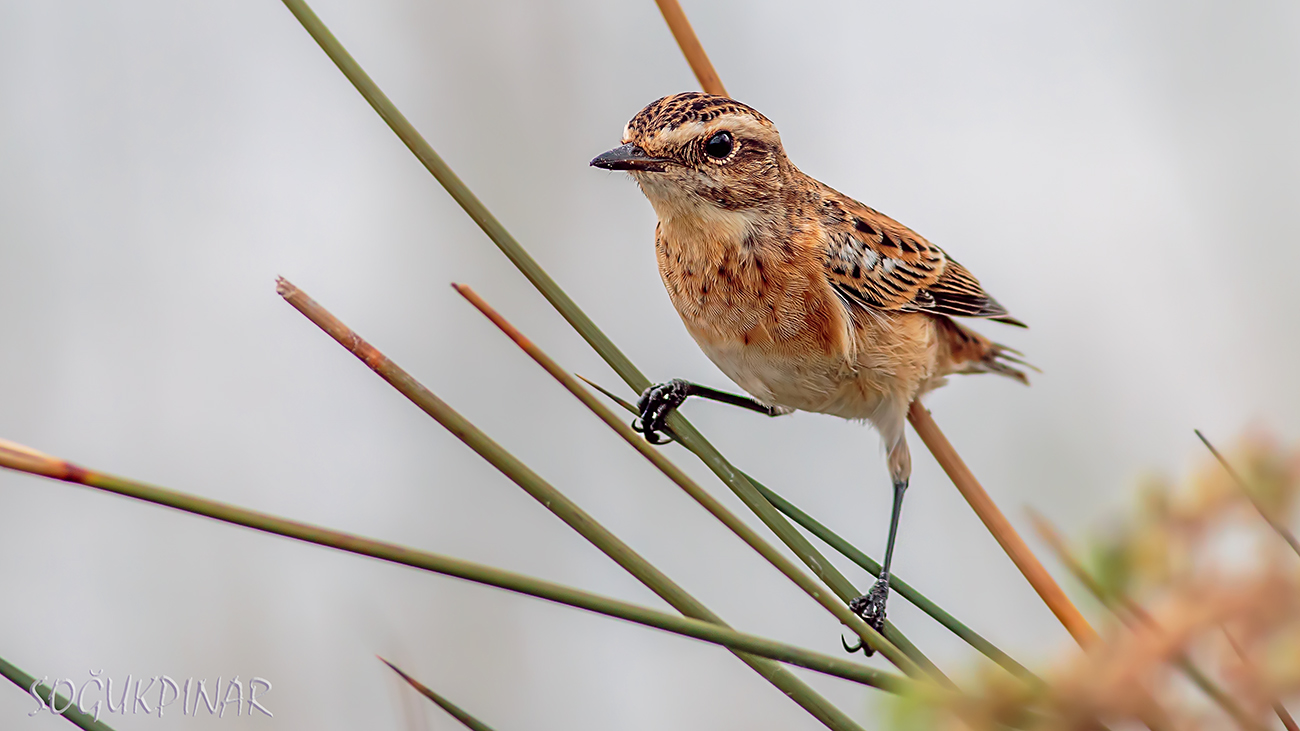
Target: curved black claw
<point x="855" y="648"/>
<point x="655" y="404"/>
<point x="653" y="437"/>
<point x="871" y="607"/>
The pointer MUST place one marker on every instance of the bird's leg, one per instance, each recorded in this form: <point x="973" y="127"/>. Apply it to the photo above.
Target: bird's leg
<point x="871" y="606"/>
<point x="657" y="402"/>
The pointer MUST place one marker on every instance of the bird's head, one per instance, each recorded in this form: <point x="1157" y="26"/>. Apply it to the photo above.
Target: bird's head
<point x="696" y="155"/>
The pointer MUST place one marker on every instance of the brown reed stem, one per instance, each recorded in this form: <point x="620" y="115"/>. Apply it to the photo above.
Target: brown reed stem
<point x="1281" y="530"/>
<point x="1000" y="527"/>
<point x="691" y="47"/>
<point x="787" y="567"/>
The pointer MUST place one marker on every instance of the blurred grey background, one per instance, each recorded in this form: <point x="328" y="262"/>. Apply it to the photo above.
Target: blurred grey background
<point x="1123" y="176"/>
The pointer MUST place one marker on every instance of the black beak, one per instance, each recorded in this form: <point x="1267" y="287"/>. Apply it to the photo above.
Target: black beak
<point x="630" y="157"/>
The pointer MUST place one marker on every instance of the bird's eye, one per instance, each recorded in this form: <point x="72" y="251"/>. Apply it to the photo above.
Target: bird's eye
<point x="718" y="146"/>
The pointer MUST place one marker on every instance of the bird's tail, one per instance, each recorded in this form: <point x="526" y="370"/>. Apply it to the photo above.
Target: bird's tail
<point x="970" y="352"/>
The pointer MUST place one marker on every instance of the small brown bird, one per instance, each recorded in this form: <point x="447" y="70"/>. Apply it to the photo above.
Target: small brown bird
<point x="804" y="297"/>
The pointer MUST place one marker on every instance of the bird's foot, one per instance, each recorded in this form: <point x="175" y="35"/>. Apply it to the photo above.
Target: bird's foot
<point x="871" y="607"/>
<point x="655" y="404"/>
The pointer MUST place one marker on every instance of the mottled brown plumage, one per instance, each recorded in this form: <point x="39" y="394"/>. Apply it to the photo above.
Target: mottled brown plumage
<point x="804" y="297"/>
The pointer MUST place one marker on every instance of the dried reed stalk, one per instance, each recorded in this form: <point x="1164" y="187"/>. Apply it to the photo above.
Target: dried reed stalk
<point x="691" y="47"/>
<point x="1000" y="527"/>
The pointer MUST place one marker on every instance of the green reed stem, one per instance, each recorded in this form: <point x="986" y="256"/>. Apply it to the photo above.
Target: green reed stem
<point x="849" y="551"/>
<point x="707" y="501"/>
<point x="74" y="716"/>
<point x="25" y="459"/>
<point x="461" y="193"/>
<point x="1219" y="695"/>
<point x="551" y="498"/>
<point x="454" y="710"/>
<point x="919" y="600"/>
<point x="569" y="310"/>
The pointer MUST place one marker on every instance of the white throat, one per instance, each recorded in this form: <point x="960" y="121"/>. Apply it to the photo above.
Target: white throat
<point x="686" y="214"/>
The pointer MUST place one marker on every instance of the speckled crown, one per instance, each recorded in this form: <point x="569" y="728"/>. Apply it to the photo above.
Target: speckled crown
<point x="673" y="111"/>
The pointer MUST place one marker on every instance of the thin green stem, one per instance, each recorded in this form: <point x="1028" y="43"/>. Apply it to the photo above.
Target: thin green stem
<point x="454" y="710"/>
<point x="461" y="193"/>
<point x="787" y="567"/>
<point x="551" y="498"/>
<point x="72" y="713"/>
<point x="1219" y="695"/>
<point x="1283" y="714"/>
<point x="1264" y="513"/>
<point x="693" y="440"/>
<point x="569" y="310"/>
<point x="1278" y="528"/>
<point x="25" y="459"/>
<point x="851" y="552"/>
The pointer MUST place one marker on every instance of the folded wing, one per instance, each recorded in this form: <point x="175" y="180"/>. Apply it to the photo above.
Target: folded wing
<point x="875" y="261"/>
